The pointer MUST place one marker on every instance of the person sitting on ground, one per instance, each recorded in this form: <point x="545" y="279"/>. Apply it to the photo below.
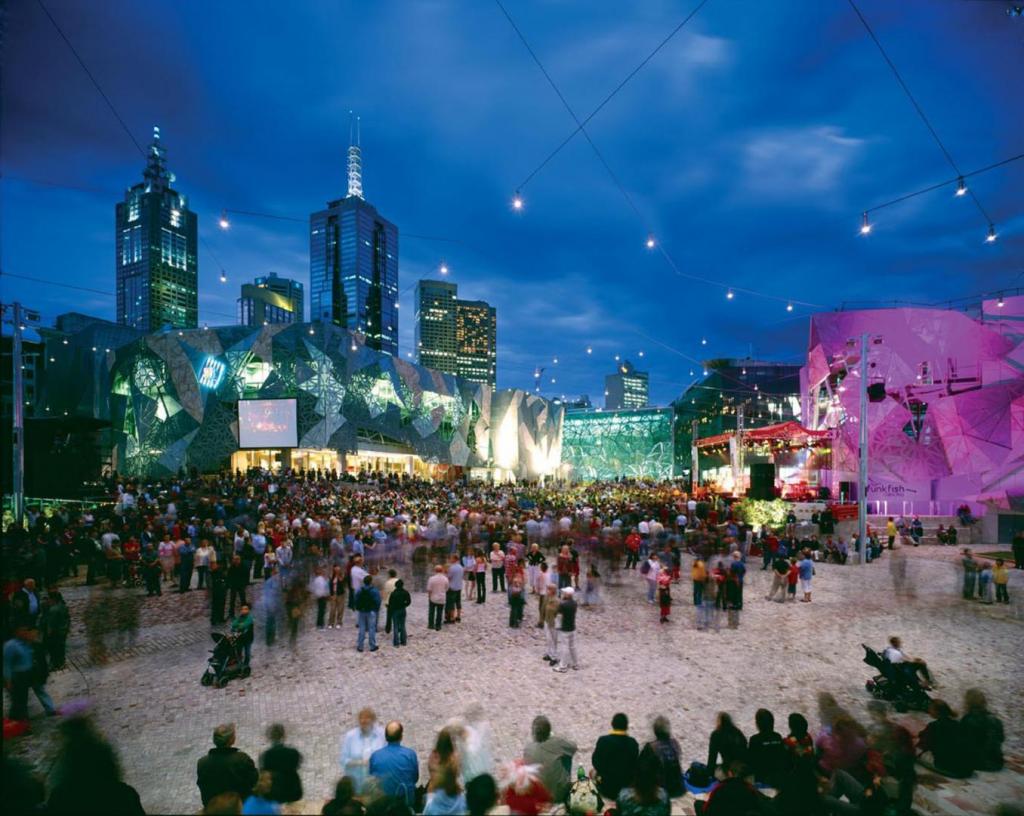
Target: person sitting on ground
<point x="798" y="793"/>
<point x="941" y="745"/>
<point x="86" y="776"/>
<point x="395" y="766"/>
<point x="521" y="788"/>
<point x="481" y="794"/>
<point x="728" y="741"/>
<point x="614" y="758"/>
<point x="983" y="732"/>
<point x="665" y="751"/>
<point x="225" y="769"/>
<point x="767" y="755"/>
<point x="895" y="746"/>
<point x="282" y="761"/>
<point x="799" y="742"/>
<point x="645" y="797"/>
<point x="446" y="796"/>
<point x="843" y="748"/>
<point x="733" y="795"/>
<point x="344" y="802"/>
<point x="553" y="755"/>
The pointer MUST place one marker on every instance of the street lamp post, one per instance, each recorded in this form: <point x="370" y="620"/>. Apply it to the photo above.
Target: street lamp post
<point x="862" y="475"/>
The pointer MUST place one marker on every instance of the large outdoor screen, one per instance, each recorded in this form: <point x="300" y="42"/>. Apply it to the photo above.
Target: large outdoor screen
<point x="267" y="424"/>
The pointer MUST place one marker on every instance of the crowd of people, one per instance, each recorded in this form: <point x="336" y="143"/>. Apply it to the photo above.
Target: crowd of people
<point x="267" y="548"/>
<point x="846" y="767"/>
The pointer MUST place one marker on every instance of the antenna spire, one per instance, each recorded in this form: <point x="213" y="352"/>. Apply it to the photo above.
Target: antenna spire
<point x="355" y="159"/>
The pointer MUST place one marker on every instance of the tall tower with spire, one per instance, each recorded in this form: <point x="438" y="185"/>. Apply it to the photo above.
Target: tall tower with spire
<point x="156" y="253"/>
<point x="353" y="261"/>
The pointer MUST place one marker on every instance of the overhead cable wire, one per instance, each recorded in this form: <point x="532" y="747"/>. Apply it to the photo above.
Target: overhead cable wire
<point x="917" y="106"/>
<point x="612" y="94"/>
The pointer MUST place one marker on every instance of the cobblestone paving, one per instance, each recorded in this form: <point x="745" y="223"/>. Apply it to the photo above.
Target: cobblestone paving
<point x="149" y="700"/>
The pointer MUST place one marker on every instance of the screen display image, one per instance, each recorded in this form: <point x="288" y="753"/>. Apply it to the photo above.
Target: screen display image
<point x="267" y="424"/>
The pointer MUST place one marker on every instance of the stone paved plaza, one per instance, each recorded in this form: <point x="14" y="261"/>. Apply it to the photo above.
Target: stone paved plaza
<point x="148" y="699"/>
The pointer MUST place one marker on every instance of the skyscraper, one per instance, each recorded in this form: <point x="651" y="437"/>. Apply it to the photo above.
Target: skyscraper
<point x="456" y="336"/>
<point x="435" y="325"/>
<point x="626" y="388"/>
<point x="156" y="251"/>
<point x="353" y="263"/>
<point x="476" y="340"/>
<point x="270" y="299"/>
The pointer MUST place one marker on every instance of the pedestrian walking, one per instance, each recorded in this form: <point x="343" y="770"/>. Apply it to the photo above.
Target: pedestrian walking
<point x="321" y="591"/>
<point x="55" y="623"/>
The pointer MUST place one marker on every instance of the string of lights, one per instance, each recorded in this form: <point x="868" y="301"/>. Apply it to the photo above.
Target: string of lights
<point x="962" y="188"/>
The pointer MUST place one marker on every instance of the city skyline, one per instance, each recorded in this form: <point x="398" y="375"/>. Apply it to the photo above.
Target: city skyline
<point x="762" y="189"/>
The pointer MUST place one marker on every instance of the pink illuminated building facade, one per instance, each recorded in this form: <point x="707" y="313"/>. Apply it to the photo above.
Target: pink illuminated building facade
<point x="946" y="415"/>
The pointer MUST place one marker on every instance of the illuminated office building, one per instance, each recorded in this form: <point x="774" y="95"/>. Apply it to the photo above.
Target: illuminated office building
<point x="455" y="336"/>
<point x="270" y="299"/>
<point x="626" y="388"/>
<point x="156" y="251"/>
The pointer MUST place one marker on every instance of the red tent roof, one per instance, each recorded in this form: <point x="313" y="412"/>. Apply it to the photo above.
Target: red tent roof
<point x="791" y="431"/>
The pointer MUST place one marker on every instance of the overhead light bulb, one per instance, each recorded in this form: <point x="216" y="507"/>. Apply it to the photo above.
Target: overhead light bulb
<point x="223" y="220"/>
<point x="311" y="330"/>
<point x="991" y="237"/>
<point x="789" y="307"/>
<point x="640" y="353"/>
<point x="961" y="186"/>
<point x="590" y="350"/>
<point x="554" y="360"/>
<point x="703" y="341"/>
<point x="517" y="202"/>
<point x="444" y="268"/>
<point x="865" y="225"/>
<point x="729" y="295"/>
<point x="650" y="241"/>
<point x="223" y="276"/>
<point x="999" y="302"/>
<point x="355" y="347"/>
<point x="744" y="372"/>
<point x="616" y="358"/>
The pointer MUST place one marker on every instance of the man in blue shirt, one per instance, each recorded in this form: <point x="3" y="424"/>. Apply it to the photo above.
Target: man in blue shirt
<point x="396" y="766"/>
<point x="367" y="605"/>
<point x="806" y="568"/>
<point x="22" y="672"/>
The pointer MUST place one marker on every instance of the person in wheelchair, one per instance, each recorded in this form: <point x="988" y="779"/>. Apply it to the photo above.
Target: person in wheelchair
<point x="911" y="667"/>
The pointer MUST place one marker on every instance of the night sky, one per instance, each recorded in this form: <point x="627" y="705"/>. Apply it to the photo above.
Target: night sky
<point x="750" y="145"/>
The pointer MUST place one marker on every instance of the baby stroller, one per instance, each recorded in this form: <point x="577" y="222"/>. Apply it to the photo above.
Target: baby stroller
<point x="896" y="683"/>
<point x="225" y="661"/>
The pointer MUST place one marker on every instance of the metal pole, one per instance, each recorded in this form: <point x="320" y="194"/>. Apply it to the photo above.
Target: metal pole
<point x="862" y="475"/>
<point x="694" y="471"/>
<point x="738" y="478"/>
<point x="18" y="425"/>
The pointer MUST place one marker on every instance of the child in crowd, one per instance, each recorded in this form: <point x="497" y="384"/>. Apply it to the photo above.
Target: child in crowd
<point x="665" y="594"/>
<point x="985" y="582"/>
<point x="791" y="579"/>
<point x="1001" y="577"/>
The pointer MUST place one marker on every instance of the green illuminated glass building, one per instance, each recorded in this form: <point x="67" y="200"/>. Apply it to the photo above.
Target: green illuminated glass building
<point x="156" y="251"/>
<point x="601" y="445"/>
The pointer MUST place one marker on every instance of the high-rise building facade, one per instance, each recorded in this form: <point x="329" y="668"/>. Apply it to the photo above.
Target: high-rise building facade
<point x="435" y="325"/>
<point x="627" y="388"/>
<point x="456" y="336"/>
<point x="353" y="265"/>
<point x="270" y="299"/>
<point x="476" y="340"/>
<point x="156" y="251"/>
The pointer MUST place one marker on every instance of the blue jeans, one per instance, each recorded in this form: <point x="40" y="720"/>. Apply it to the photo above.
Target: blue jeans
<point x="398" y="623"/>
<point x="651" y="586"/>
<point x="367" y="623"/>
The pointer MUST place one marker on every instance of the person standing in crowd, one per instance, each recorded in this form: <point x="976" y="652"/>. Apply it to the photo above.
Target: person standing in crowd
<point x="186" y="565"/>
<point x="780" y="573"/>
<point x="614" y="759"/>
<point x="665" y="595"/>
<point x="985" y="590"/>
<point x="1001" y="579"/>
<point x="385" y="598"/>
<point x="367" y="607"/>
<point x="358" y="746"/>
<point x="204" y="555"/>
<point x="650" y="569"/>
<point x="480" y="576"/>
<point x="553" y="755"/>
<point x="437" y="595"/>
<point x="806" y="568"/>
<point x="534" y="558"/>
<point x="550" y="623"/>
<point x="497" y="567"/>
<point x="282" y="762"/>
<point x="395" y="767"/>
<point x="151" y="571"/>
<point x="567" y="627"/>
<point x="737" y="574"/>
<point x="55" y="623"/>
<point x="699" y="577"/>
<point x="218" y="593"/>
<point x="398" y="602"/>
<point x="243" y="628"/>
<point x="632" y="546"/>
<point x="320" y="590"/>
<point x="25" y="604"/>
<point x="970" y="568"/>
<point x="225" y="769"/>
<point x="23" y="670"/>
<point x="238" y="580"/>
<point x="541" y="587"/>
<point x="336" y="597"/>
<point x="516" y="603"/>
<point x="1018" y="549"/>
<point x="453" y="595"/>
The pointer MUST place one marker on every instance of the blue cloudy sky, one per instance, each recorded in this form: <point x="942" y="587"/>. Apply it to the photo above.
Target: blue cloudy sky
<point x="749" y="146"/>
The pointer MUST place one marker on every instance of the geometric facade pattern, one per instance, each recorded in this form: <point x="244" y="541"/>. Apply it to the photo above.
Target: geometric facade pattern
<point x="947" y="423"/>
<point x="173" y="401"/>
<point x="604" y="445"/>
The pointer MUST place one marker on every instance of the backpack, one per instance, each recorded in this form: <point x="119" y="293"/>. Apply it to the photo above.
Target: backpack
<point x="645" y="568"/>
<point x="584" y="798"/>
